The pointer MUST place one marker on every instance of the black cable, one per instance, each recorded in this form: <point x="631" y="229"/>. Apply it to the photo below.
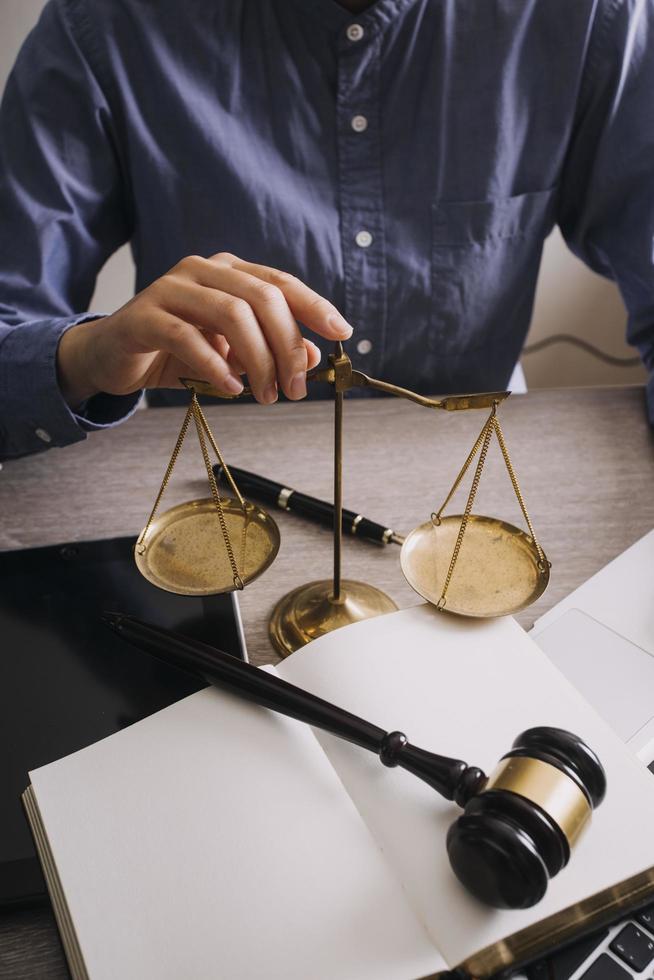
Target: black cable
<point x="566" y="338"/>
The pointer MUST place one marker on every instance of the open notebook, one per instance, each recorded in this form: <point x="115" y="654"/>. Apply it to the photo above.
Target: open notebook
<point x="218" y="839"/>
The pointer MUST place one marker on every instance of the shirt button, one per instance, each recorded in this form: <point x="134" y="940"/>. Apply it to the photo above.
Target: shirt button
<point x="364" y="347"/>
<point x="354" y="32"/>
<point x="363" y="239"/>
<point x="43" y="435"/>
<point x="359" y="124"/>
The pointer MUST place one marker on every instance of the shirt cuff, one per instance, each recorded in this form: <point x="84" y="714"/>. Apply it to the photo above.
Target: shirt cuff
<point x="34" y="415"/>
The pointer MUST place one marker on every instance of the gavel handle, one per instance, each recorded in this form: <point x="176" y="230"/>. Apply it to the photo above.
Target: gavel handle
<point x="444" y="774"/>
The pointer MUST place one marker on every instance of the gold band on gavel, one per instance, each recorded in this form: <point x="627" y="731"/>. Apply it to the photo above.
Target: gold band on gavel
<point x="546" y="786"/>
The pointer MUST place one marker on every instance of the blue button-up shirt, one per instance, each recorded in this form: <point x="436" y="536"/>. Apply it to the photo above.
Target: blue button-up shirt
<point x="407" y="163"/>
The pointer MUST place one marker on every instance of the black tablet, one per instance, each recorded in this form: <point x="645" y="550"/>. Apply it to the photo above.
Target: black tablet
<point x="66" y="680"/>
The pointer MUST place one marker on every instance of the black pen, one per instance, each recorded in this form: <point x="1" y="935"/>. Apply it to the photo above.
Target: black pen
<point x="235" y="675"/>
<point x="316" y="510"/>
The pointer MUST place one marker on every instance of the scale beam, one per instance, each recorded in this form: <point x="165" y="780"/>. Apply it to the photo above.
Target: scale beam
<point x="343" y="377"/>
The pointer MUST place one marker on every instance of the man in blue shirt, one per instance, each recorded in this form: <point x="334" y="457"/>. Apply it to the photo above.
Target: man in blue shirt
<point x="401" y="161"/>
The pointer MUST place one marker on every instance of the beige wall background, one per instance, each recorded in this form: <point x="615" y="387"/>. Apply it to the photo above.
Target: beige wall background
<point x="570" y="298"/>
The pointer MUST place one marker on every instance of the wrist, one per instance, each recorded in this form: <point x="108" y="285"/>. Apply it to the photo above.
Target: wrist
<point x="74" y="362"/>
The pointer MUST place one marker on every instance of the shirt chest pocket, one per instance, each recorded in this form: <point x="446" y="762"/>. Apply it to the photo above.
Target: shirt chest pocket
<point x="485" y="260"/>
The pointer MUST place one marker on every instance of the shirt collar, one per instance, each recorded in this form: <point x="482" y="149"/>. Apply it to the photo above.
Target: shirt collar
<point x="375" y="18"/>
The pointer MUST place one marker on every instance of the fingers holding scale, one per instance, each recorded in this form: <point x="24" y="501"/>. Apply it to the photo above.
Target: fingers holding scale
<point x="255" y="317"/>
<point x="219" y="342"/>
<point x="279" y="300"/>
<point x="278" y="328"/>
<point x="292" y="355"/>
<point x="192" y="348"/>
<point x="312" y="309"/>
<point x="203" y="296"/>
<point x="314" y="356"/>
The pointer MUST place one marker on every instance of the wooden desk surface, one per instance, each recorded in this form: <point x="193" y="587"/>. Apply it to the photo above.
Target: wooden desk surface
<point x="584" y="459"/>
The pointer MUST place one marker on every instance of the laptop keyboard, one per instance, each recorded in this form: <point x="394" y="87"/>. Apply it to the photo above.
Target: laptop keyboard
<point x="623" y="952"/>
<point x="634" y="946"/>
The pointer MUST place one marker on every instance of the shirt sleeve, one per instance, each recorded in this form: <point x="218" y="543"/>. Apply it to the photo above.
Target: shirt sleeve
<point x="65" y="208"/>
<point x="606" y="201"/>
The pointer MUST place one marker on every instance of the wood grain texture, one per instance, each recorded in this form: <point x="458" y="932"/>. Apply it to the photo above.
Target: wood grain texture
<point x="30" y="947"/>
<point x="584" y="459"/>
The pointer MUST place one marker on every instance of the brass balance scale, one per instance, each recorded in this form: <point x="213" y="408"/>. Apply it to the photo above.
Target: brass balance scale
<point x="465" y="564"/>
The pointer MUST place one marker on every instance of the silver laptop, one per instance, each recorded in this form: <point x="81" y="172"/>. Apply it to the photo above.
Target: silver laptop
<point x="602" y="638"/>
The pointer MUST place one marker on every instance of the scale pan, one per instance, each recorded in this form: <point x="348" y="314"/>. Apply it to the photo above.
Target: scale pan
<point x="498" y="570"/>
<point x="185" y="551"/>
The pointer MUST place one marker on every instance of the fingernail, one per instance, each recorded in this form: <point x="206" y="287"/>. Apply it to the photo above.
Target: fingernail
<point x="298" y="385"/>
<point x="340" y="325"/>
<point x="233" y="384"/>
<point x="269" y="394"/>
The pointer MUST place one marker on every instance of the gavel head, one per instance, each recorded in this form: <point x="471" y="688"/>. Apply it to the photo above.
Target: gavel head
<point x="516" y="832"/>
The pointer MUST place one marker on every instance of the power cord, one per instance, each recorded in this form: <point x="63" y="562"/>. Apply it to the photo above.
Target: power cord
<point x="566" y="338"/>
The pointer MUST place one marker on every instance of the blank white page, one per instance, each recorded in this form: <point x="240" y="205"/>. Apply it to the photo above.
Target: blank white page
<point x="466" y="688"/>
<point x="214" y="839"/>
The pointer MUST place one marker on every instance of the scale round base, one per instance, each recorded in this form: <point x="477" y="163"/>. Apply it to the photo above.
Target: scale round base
<point x="498" y="571"/>
<point x="310" y="611"/>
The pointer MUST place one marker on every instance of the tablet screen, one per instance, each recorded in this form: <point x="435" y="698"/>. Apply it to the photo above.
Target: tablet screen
<point x="67" y="680"/>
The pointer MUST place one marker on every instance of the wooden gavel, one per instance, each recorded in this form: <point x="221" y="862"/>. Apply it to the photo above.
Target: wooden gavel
<point x="518" y="824"/>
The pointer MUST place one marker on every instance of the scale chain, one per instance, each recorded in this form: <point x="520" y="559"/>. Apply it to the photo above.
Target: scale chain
<point x="202" y="426"/>
<point x="164" y="483"/>
<point x="436" y="517"/>
<point x="219" y="456"/>
<point x="514" y="480"/>
<point x="485" y="438"/>
<point x="232" y="483"/>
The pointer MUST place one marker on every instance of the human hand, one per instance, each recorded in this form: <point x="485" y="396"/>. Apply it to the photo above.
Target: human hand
<point x="213" y="319"/>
